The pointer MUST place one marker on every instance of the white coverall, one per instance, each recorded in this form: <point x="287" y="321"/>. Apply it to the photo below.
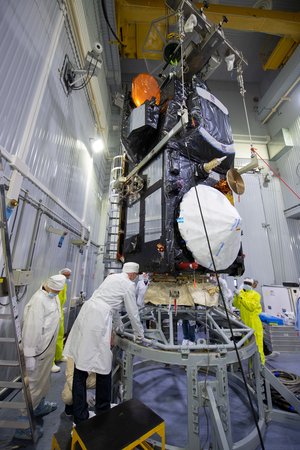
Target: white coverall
<point x="39" y="333"/>
<point x="227" y="294"/>
<point x="89" y="341"/>
<point x="141" y="289"/>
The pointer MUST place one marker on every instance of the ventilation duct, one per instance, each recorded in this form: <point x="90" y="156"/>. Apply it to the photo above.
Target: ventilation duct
<point x="280" y="144"/>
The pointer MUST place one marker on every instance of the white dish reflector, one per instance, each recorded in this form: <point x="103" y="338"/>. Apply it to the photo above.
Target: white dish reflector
<point x="222" y="222"/>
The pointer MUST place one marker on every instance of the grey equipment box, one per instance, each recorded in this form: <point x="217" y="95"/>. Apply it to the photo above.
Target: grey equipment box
<point x="282" y="338"/>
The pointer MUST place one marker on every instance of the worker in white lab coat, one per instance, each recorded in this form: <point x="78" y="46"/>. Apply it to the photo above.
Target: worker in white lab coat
<point x="227" y="293"/>
<point x="141" y="288"/>
<point x="40" y="327"/>
<point x="89" y="342"/>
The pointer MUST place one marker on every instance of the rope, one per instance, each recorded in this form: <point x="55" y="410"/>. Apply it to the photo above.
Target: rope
<point x="242" y="92"/>
<point x="276" y="175"/>
<point x="247" y="119"/>
<point x="291" y="382"/>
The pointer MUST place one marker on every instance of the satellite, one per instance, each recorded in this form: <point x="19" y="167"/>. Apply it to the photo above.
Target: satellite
<point x="178" y="180"/>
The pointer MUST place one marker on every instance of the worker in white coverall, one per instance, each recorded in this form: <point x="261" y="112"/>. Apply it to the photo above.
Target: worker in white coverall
<point x="141" y="288"/>
<point x="40" y="327"/>
<point x="227" y="293"/>
<point x="89" y="342"/>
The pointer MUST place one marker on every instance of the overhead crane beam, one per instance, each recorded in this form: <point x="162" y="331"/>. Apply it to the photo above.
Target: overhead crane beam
<point x="278" y="23"/>
<point x="134" y="18"/>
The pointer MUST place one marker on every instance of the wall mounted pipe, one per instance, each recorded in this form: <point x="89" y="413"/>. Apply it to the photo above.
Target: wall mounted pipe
<point x="281" y="100"/>
<point x="18" y="164"/>
<point x="34" y="238"/>
<point x="16" y="240"/>
<point x="55" y="217"/>
<point x="286" y="80"/>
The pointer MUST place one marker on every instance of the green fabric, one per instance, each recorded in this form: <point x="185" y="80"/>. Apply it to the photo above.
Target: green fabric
<point x="248" y="302"/>
<point x="61" y="332"/>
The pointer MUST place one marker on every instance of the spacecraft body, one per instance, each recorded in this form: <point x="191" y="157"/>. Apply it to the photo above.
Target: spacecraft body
<point x="174" y="203"/>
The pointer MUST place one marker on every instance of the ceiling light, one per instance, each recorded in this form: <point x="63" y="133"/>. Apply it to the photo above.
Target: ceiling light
<point x="97" y="145"/>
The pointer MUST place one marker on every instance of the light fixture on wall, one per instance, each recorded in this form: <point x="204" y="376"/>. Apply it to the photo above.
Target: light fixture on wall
<point x="97" y="144"/>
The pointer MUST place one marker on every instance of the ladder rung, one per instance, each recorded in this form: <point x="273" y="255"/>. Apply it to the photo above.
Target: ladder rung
<point x="7" y="363"/>
<point x="14" y="424"/>
<point x="6" y="316"/>
<point x="11" y="384"/>
<point x="7" y="339"/>
<point x="12" y="405"/>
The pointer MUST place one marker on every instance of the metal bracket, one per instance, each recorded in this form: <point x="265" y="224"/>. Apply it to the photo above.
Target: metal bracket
<point x="57" y="231"/>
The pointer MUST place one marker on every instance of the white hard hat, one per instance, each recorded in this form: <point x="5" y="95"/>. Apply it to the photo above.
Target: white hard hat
<point x="56" y="282"/>
<point x="249" y="281"/>
<point x="65" y="270"/>
<point x="131" y="267"/>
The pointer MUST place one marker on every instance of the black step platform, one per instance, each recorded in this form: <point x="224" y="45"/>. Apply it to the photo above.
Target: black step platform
<point x="122" y="427"/>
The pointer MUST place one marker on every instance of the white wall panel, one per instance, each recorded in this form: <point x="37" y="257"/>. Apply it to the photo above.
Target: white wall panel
<point x="289" y="168"/>
<point x="269" y="253"/>
<point x="24" y="35"/>
<point x="255" y="240"/>
<point x="294" y="230"/>
<point x="58" y="154"/>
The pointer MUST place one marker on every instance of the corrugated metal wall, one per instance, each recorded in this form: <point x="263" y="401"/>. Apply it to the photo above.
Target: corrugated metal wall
<point x="289" y="168"/>
<point x="269" y="253"/>
<point x="50" y="133"/>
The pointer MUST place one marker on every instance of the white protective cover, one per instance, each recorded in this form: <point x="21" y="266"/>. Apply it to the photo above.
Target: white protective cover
<point x="223" y="225"/>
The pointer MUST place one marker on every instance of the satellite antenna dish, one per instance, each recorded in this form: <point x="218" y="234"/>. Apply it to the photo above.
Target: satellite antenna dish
<point x="235" y="181"/>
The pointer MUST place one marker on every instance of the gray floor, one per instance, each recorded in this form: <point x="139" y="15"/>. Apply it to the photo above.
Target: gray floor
<point x="163" y="389"/>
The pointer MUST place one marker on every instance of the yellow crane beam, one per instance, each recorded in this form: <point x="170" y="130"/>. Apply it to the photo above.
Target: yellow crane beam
<point x="277" y="23"/>
<point x="134" y="18"/>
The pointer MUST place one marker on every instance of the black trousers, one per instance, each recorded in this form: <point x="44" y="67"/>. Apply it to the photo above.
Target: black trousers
<point x="103" y="394"/>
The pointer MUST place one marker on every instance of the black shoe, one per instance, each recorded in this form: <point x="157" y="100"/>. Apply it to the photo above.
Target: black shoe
<point x="69" y="410"/>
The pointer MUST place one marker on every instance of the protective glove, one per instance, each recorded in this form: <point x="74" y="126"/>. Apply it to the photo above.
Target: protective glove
<point x="30" y="363"/>
<point x="90" y="397"/>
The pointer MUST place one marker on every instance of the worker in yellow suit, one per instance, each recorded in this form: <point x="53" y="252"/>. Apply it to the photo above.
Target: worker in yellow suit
<point x="247" y="300"/>
<point x="60" y="337"/>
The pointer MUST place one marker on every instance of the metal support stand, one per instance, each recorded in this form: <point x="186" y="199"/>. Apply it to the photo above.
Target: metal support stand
<point x="218" y="361"/>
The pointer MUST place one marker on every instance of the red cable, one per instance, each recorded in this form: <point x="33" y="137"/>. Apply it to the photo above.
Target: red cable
<point x="274" y="173"/>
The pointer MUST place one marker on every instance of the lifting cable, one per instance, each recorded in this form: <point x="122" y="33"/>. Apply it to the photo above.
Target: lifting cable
<point x="242" y="92"/>
<point x="276" y="175"/>
<point x="240" y="78"/>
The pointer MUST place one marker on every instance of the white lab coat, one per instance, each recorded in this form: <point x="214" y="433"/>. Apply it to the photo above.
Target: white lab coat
<point x="88" y="343"/>
<point x="227" y="294"/>
<point x="141" y="289"/>
<point x="40" y="328"/>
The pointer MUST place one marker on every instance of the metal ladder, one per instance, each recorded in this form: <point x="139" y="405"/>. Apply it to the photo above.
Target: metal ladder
<point x="110" y="258"/>
<point x="9" y="389"/>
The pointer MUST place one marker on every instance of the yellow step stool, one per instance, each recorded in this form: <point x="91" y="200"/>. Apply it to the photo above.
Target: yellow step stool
<point x="121" y="428"/>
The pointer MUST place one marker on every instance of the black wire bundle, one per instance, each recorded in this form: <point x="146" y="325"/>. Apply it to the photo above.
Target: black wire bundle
<point x="292" y="382"/>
